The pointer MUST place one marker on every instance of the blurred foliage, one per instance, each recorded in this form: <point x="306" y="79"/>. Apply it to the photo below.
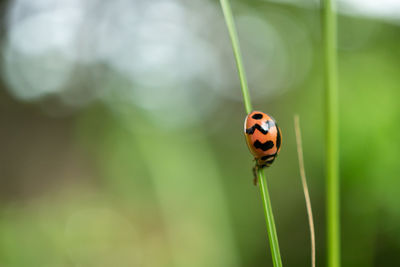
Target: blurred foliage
<point x="110" y="183"/>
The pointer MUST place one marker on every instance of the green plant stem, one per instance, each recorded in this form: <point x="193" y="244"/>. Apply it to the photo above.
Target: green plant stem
<point x="269" y="218"/>
<point x="331" y="133"/>
<point x="226" y="8"/>
<point x="273" y="239"/>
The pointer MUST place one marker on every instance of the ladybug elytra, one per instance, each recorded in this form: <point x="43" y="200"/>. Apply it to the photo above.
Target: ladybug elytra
<point x="263" y="138"/>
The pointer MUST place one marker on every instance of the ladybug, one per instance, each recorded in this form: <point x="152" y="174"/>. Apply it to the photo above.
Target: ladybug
<point x="263" y="138"/>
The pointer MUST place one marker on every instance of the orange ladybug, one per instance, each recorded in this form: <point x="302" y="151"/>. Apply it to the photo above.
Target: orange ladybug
<point x="263" y="138"/>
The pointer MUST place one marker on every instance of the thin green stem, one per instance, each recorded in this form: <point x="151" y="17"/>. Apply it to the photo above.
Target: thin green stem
<point x="269" y="218"/>
<point x="226" y="8"/>
<point x="331" y="133"/>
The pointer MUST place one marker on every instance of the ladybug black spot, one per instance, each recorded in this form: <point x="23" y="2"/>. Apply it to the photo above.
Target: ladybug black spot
<point x="263" y="129"/>
<point x="264" y="146"/>
<point x="257" y="116"/>
<point x="254" y="127"/>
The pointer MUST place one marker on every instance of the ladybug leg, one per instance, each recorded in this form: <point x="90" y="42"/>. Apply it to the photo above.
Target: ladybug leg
<point x="255" y="179"/>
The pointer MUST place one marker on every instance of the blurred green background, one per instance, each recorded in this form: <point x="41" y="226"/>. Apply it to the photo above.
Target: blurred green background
<point x="121" y="132"/>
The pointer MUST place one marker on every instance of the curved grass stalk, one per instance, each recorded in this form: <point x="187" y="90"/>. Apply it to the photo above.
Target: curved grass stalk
<point x="269" y="218"/>
<point x="305" y="187"/>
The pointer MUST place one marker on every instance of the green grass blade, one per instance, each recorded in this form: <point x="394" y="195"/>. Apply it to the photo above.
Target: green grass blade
<point x="331" y="133"/>
<point x="269" y="218"/>
<point x="226" y="8"/>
